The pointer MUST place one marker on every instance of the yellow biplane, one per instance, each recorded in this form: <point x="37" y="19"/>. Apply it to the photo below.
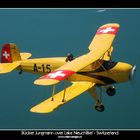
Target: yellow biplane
<point x="91" y="70"/>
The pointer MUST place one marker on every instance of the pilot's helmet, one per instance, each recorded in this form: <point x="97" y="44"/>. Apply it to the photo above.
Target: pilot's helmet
<point x="69" y="55"/>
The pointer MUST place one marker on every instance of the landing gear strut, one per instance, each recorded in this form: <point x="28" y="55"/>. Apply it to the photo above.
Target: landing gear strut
<point x="98" y="98"/>
<point x="99" y="106"/>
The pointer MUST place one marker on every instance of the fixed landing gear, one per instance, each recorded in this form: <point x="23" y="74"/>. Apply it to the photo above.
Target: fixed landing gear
<point x="100" y="108"/>
<point x="98" y="98"/>
<point x="111" y="91"/>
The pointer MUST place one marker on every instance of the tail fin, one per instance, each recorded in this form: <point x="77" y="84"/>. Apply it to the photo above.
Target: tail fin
<point x="10" y="53"/>
<point x="10" y="58"/>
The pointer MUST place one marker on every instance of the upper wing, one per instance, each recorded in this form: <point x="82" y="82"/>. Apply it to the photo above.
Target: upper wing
<point x="99" y="46"/>
<point x="104" y="36"/>
<point x="71" y="92"/>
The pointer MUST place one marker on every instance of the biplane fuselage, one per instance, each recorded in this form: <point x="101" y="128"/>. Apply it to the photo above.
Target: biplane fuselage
<point x="108" y="72"/>
<point x="85" y="72"/>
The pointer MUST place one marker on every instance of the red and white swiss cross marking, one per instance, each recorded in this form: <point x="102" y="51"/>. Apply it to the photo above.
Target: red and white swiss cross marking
<point x="6" y="55"/>
<point x="58" y="74"/>
<point x="107" y="30"/>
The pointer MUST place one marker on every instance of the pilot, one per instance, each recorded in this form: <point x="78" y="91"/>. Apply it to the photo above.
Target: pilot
<point x="69" y="57"/>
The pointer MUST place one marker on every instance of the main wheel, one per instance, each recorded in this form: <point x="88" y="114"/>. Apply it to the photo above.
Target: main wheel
<point x="99" y="108"/>
<point x="111" y="91"/>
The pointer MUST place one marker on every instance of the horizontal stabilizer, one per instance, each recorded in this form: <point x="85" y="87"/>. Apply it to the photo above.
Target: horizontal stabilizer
<point x="71" y="92"/>
<point x="25" y="55"/>
<point x="8" y="67"/>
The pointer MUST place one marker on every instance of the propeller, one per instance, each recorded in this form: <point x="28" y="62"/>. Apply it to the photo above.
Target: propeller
<point x="132" y="74"/>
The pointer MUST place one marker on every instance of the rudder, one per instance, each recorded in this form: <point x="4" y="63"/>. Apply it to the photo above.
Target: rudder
<point x="10" y="53"/>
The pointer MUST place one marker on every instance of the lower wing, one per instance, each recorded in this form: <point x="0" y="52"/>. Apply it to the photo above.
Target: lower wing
<point x="71" y="92"/>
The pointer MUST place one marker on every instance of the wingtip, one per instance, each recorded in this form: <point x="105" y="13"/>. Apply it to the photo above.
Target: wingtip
<point x="32" y="110"/>
<point x="111" y="24"/>
<point x="36" y="110"/>
<point x="45" y="82"/>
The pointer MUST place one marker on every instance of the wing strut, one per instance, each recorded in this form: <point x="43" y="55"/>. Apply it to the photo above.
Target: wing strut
<point x="53" y="93"/>
<point x="101" y="65"/>
<point x="63" y="100"/>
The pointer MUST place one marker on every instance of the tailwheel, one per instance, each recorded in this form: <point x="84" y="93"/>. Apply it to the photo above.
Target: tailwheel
<point x="100" y="108"/>
<point x="20" y="72"/>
